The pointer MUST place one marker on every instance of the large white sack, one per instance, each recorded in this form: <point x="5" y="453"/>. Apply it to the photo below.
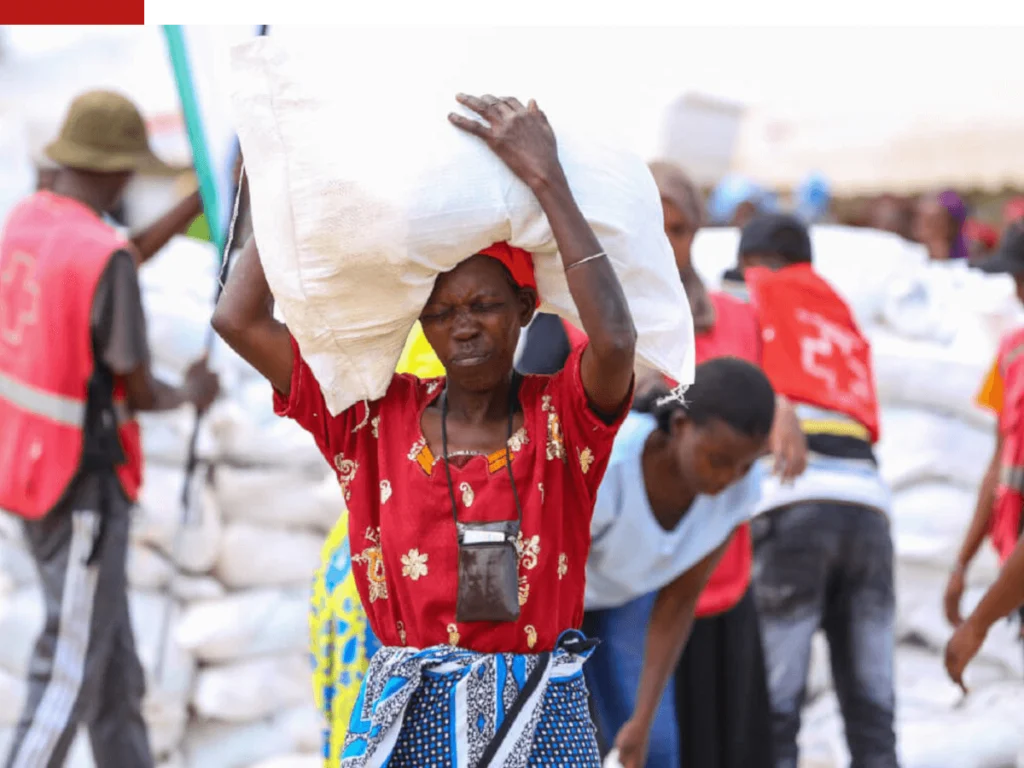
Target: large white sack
<point x="920" y="445"/>
<point x="921" y="374"/>
<point x="243" y="691"/>
<point x="166" y="435"/>
<point x="147" y="568"/>
<point x="929" y="521"/>
<point x="249" y="433"/>
<point x="294" y="498"/>
<point x="17" y="563"/>
<point x="148" y="612"/>
<point x="21" y="620"/>
<point x="311" y="760"/>
<point x="255" y="555"/>
<point x="158" y="522"/>
<point x="860" y="264"/>
<point x="360" y="198"/>
<point x="12" y="694"/>
<point x="229" y="745"/>
<point x="244" y="624"/>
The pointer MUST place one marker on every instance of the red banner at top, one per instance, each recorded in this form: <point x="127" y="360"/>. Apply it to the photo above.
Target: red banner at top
<point x="73" y="12"/>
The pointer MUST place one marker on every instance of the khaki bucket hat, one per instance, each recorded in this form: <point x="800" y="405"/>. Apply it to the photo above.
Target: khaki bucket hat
<point x="105" y="133"/>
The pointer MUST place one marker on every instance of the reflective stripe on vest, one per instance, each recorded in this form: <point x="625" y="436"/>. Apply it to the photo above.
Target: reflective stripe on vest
<point x="63" y="410"/>
<point x="1012" y="477"/>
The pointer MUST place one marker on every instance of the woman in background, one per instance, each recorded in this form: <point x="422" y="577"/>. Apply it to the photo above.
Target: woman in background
<point x="939" y="226"/>
<point x="720" y="689"/>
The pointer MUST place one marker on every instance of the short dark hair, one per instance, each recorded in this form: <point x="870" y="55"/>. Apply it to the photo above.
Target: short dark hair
<point x="777" y="234"/>
<point x="725" y="388"/>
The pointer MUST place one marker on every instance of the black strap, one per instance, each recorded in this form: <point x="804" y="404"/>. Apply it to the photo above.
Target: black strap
<point x="513" y="396"/>
<point x="532" y="682"/>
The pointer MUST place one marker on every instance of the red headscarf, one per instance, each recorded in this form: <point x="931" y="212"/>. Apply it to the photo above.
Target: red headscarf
<point x="518" y="262"/>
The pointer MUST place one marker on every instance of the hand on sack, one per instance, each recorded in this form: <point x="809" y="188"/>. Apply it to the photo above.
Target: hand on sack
<point x="631" y="744"/>
<point x="961" y="648"/>
<point x="201" y="385"/>
<point x="520" y="136"/>
<point x="787" y="442"/>
<point x="954" y="593"/>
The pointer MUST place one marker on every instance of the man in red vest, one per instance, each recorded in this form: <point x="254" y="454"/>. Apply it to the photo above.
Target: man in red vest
<point x="823" y="554"/>
<point x="74" y="368"/>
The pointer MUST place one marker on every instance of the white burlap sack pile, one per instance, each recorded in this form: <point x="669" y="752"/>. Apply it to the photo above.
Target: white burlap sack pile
<point x="355" y="216"/>
<point x="934" y="330"/>
<point x="235" y="690"/>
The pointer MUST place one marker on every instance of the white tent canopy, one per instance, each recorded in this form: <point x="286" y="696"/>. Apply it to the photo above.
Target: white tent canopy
<point x="896" y="153"/>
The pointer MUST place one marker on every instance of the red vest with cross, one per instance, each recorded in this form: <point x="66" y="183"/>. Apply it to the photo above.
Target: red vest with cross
<point x="52" y="255"/>
<point x="812" y="350"/>
<point x="1008" y="505"/>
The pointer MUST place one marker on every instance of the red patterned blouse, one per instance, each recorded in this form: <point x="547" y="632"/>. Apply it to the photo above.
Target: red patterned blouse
<point x="402" y="535"/>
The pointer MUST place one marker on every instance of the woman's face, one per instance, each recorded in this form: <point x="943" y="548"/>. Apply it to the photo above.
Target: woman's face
<point x="473" y="319"/>
<point x="712" y="456"/>
<point x="931" y="221"/>
<point x="680" y="231"/>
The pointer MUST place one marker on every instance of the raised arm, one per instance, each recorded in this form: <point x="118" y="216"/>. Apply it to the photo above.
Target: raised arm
<point x="149" y="241"/>
<point x="523" y="139"/>
<point x="667" y="633"/>
<point x="974" y="536"/>
<point x="244" y="318"/>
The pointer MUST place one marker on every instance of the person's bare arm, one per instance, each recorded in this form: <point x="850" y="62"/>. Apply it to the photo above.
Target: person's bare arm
<point x="669" y="629"/>
<point x="145" y="392"/>
<point x="1005" y="594"/>
<point x="148" y="242"/>
<point x="523" y="139"/>
<point x="974" y="536"/>
<point x="244" y="318"/>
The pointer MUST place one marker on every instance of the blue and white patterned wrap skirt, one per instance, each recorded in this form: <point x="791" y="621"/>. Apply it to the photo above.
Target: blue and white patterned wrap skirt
<point x="441" y="707"/>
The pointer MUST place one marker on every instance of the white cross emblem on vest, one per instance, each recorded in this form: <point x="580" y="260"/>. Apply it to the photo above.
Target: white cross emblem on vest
<point x="19" y="298"/>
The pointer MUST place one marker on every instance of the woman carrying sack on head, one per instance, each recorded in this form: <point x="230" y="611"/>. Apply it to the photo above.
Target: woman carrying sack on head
<point x="341" y="642"/>
<point x="470" y="497"/>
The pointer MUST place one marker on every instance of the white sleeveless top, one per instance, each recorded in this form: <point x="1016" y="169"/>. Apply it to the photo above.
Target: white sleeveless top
<point x="631" y="554"/>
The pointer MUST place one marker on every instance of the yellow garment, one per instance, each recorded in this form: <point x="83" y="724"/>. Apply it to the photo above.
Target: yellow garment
<point x="340" y="638"/>
<point x="418" y="356"/>
<point x="991" y="394"/>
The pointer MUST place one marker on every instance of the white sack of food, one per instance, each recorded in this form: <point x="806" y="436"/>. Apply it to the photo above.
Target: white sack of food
<point x="147" y="568"/>
<point x="355" y="220"/>
<point x="301" y="497"/>
<point x="940" y="302"/>
<point x="158" y="521"/>
<point x="922" y="374"/>
<point x="166" y="435"/>
<point x="249" y="433"/>
<point x="248" y="690"/>
<point x="310" y="760"/>
<point x="148" y="613"/>
<point x="229" y="745"/>
<point x="919" y="445"/>
<point x="254" y="555"/>
<point x="13" y="690"/>
<point x="859" y="263"/>
<point x="17" y="563"/>
<point x="21" y="621"/>
<point x="929" y="521"/>
<point x="190" y="588"/>
<point x="250" y="623"/>
<point x="304" y="725"/>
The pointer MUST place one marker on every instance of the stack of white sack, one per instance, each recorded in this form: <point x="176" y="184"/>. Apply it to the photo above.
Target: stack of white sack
<point x="363" y="192"/>
<point x="235" y="688"/>
<point x="934" y="330"/>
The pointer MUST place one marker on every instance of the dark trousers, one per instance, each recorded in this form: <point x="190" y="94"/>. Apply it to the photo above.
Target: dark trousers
<point x="84" y="669"/>
<point x="829" y="565"/>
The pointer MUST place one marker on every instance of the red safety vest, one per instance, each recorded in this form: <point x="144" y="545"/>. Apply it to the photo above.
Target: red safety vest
<point x="1004" y="524"/>
<point x="812" y="350"/>
<point x="52" y="254"/>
